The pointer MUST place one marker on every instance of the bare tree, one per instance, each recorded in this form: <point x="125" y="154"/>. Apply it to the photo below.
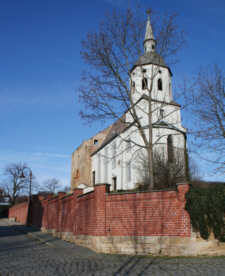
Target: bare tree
<point x="51" y="185"/>
<point x="166" y="172"/>
<point x="111" y="52"/>
<point x="206" y="102"/>
<point x="66" y="189"/>
<point x="16" y="181"/>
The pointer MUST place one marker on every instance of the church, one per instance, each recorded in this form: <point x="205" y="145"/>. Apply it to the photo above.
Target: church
<point x="117" y="155"/>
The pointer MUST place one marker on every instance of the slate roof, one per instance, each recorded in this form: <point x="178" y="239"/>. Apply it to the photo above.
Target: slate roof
<point x="151" y="58"/>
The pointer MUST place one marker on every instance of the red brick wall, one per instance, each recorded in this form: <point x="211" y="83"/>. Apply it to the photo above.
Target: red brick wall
<point x="91" y="212"/>
<point x="19" y="212"/>
<point x="147" y="214"/>
<point x="101" y="214"/>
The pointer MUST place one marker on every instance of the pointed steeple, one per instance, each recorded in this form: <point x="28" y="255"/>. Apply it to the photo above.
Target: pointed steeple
<point x="149" y="42"/>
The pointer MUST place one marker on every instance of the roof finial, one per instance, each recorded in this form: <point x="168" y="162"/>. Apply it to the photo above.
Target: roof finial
<point x="149" y="42"/>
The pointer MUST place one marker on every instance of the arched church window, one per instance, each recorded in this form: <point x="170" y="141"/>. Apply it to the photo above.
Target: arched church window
<point x="160" y="84"/>
<point x="170" y="148"/>
<point x="133" y="84"/>
<point x="161" y="114"/>
<point x="144" y="83"/>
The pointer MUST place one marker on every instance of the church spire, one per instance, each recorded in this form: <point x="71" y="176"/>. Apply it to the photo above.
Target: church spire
<point x="149" y="42"/>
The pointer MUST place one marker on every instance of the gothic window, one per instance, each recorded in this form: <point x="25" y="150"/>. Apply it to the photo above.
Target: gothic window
<point x="160" y="87"/>
<point x="161" y="114"/>
<point x="170" y="149"/>
<point x="133" y="84"/>
<point x="144" y="83"/>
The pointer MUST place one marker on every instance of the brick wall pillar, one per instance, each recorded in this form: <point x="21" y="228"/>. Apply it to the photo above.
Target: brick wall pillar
<point x="60" y="212"/>
<point x="75" y="207"/>
<point x="185" y="222"/>
<point x="100" y="201"/>
<point x="182" y="189"/>
<point x="45" y="223"/>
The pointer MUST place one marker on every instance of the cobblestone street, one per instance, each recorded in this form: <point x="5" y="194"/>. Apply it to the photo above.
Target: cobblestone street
<point x="26" y="251"/>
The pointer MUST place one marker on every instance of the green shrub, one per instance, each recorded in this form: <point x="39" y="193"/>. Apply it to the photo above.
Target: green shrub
<point x="206" y="207"/>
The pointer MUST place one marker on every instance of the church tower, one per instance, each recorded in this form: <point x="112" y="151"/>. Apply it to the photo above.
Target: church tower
<point x="151" y="78"/>
<point x="150" y="74"/>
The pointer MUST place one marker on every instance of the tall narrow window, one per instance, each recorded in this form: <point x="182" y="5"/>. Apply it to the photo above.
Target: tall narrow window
<point x="128" y="171"/>
<point x="128" y="145"/>
<point x="144" y="83"/>
<point x="114" y="183"/>
<point x="170" y="149"/>
<point x="114" y="155"/>
<point x="93" y="178"/>
<point x="160" y="86"/>
<point x="161" y="114"/>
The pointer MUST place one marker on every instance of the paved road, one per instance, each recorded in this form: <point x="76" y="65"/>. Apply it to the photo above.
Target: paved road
<point x="24" y="252"/>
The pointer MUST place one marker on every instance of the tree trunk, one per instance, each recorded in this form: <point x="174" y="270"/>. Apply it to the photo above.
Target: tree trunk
<point x="150" y="149"/>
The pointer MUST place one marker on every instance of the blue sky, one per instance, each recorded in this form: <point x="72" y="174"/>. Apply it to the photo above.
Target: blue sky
<point x="40" y="67"/>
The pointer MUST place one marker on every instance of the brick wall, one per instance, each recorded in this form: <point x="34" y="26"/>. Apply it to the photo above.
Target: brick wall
<point x="147" y="214"/>
<point x="99" y="213"/>
<point x="19" y="212"/>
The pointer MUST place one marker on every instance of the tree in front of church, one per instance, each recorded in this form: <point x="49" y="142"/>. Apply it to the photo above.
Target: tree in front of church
<point x="107" y="85"/>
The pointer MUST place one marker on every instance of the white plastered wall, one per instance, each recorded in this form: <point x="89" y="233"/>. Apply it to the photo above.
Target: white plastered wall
<point x="122" y="162"/>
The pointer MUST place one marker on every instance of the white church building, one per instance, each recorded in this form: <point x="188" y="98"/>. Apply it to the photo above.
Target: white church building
<point x="116" y="160"/>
